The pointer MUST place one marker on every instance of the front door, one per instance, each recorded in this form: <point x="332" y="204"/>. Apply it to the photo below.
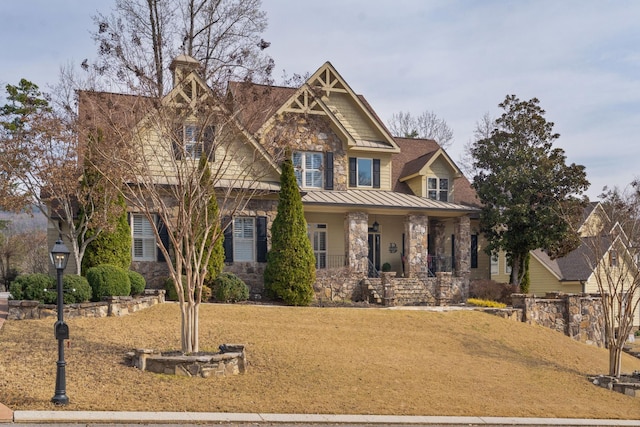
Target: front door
<point x="374" y="254"/>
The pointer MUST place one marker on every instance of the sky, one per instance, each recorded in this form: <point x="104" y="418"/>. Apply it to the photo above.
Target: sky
<point x="456" y="58"/>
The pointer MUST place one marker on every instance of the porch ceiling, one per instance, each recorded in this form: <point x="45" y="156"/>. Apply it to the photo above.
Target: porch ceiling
<point x="376" y="199"/>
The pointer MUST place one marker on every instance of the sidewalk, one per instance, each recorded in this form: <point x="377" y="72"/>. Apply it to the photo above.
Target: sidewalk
<point x="85" y="417"/>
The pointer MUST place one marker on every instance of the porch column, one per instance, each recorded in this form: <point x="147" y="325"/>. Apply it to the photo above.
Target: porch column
<point x="462" y="231"/>
<point x="356" y="243"/>
<point x="416" y="231"/>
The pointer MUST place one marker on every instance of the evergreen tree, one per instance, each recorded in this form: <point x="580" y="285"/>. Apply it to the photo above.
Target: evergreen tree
<point x="110" y="247"/>
<point x="291" y="265"/>
<point x="215" y="237"/>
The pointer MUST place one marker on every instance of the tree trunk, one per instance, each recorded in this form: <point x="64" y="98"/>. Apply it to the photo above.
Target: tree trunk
<point x="615" y="360"/>
<point x="514" y="278"/>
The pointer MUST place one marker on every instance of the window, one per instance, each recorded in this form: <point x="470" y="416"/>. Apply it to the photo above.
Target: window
<point x="243" y="239"/>
<point x="364" y="172"/>
<point x="308" y="169"/>
<point x="438" y="189"/>
<point x="144" y="239"/>
<point x="474" y="251"/>
<point x="494" y="264"/>
<point x="192" y="145"/>
<point x="318" y="236"/>
<point x="613" y="258"/>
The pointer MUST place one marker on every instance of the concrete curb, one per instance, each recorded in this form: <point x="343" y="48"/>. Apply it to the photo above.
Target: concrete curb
<point x="218" y="417"/>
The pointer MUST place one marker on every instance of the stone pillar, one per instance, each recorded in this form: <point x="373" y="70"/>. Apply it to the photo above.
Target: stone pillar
<point x="416" y="231"/>
<point x="462" y="232"/>
<point x="356" y="242"/>
<point x="443" y="288"/>
<point x="388" y="288"/>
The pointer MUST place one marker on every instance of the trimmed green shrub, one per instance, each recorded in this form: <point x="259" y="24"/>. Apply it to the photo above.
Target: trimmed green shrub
<point x="32" y="287"/>
<point x="386" y="267"/>
<point x="107" y="281"/>
<point x="172" y="295"/>
<point x="228" y="287"/>
<point x="76" y="289"/>
<point x="206" y="293"/>
<point x="291" y="264"/>
<point x="137" y="282"/>
<point x="111" y="247"/>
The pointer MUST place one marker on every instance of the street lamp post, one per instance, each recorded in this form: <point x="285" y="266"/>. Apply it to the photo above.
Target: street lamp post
<point x="59" y="257"/>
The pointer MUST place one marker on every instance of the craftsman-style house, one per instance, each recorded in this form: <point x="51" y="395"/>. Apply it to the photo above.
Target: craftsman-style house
<point x="373" y="202"/>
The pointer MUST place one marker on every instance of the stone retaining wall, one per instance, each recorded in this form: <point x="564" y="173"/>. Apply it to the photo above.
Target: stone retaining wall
<point x="579" y="316"/>
<point x="112" y="306"/>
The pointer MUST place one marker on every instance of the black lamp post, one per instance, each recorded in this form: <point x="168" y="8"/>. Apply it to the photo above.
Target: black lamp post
<point x="59" y="257"/>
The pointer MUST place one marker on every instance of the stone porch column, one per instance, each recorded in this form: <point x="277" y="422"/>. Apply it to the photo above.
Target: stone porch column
<point x="439" y="238"/>
<point x="416" y="231"/>
<point x="356" y="240"/>
<point x="462" y="233"/>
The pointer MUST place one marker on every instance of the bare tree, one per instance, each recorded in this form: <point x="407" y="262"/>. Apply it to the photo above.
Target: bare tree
<point x="612" y="255"/>
<point x="483" y="130"/>
<point x="43" y="158"/>
<point x="138" y="40"/>
<point x="180" y="153"/>
<point x="427" y="125"/>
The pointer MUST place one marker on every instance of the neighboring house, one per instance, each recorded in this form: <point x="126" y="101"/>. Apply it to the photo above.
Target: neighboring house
<point x="369" y="198"/>
<point x="575" y="273"/>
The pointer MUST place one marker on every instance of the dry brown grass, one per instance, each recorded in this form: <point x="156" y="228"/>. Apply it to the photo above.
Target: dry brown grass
<point x="319" y="360"/>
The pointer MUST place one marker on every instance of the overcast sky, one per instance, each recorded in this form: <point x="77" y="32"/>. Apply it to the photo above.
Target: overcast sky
<point x="459" y="59"/>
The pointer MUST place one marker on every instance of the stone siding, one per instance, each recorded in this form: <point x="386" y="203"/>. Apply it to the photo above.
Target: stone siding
<point x="113" y="306"/>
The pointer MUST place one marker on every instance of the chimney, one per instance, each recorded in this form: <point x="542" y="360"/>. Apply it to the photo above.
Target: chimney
<point x="181" y="67"/>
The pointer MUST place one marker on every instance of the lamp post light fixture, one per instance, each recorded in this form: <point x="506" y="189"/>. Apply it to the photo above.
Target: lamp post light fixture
<point x="59" y="257"/>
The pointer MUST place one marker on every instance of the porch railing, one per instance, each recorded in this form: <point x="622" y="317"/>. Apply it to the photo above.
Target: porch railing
<point x="439" y="263"/>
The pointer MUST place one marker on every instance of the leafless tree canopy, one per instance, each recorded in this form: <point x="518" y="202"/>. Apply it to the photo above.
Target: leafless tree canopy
<point x="138" y="40"/>
<point x="427" y="125"/>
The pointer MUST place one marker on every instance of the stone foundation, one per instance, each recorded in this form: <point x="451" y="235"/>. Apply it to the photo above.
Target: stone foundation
<point x="231" y="360"/>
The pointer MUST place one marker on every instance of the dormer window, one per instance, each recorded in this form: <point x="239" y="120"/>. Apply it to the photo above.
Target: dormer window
<point x="308" y="169"/>
<point x="438" y="189"/>
<point x="364" y="172"/>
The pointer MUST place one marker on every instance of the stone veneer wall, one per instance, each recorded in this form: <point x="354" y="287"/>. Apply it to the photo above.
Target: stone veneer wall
<point x="113" y="306"/>
<point x="580" y="316"/>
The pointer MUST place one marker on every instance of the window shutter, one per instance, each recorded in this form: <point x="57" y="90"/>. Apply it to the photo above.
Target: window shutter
<point x="261" y="239"/>
<point x="328" y="171"/>
<point x="164" y="238"/>
<point x="353" y="176"/>
<point x="177" y="142"/>
<point x="207" y="142"/>
<point x="228" y="238"/>
<point x="376" y="173"/>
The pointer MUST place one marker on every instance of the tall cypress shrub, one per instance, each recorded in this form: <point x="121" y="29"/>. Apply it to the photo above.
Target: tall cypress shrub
<point x="291" y="265"/>
<point x="111" y="247"/>
<point x="216" y="262"/>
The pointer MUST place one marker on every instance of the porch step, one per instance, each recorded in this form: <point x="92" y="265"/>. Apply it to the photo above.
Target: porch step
<point x="374" y="294"/>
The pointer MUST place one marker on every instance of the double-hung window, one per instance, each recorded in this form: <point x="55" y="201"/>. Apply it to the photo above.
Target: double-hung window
<point x="244" y="239"/>
<point x="308" y="169"/>
<point x="144" y="240"/>
<point x="192" y="143"/>
<point x="318" y="236"/>
<point x="438" y="189"/>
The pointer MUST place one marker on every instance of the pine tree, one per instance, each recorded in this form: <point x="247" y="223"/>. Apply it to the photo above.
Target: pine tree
<point x="291" y="270"/>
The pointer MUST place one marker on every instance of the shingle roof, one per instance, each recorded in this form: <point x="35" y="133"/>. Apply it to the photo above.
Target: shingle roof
<point x="576" y="265"/>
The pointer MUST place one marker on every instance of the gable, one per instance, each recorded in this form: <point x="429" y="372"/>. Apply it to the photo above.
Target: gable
<point x="326" y="93"/>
